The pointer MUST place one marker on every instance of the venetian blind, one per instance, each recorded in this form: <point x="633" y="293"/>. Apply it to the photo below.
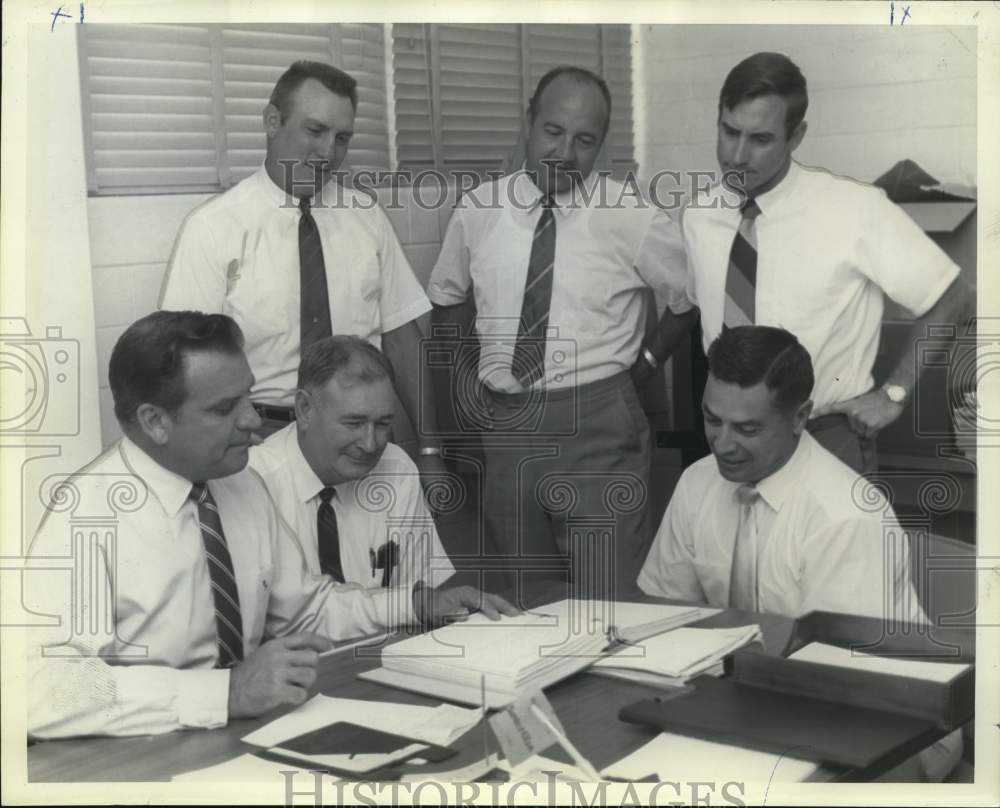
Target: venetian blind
<point x="461" y="89"/>
<point x="177" y="108"/>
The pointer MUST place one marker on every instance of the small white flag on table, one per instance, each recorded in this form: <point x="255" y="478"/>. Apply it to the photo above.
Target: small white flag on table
<point x="519" y="730"/>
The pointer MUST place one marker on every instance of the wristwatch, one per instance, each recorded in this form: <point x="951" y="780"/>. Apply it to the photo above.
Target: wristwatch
<point x="896" y="393"/>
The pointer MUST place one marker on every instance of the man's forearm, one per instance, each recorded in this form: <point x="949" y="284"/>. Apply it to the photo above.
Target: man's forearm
<point x="955" y="306"/>
<point x="403" y="347"/>
<point x="662" y="340"/>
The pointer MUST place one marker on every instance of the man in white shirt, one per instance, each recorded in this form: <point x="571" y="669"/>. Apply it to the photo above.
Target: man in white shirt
<point x="776" y="243"/>
<point x="291" y="226"/>
<point x="772" y="521"/>
<point x="353" y="499"/>
<point x="188" y="605"/>
<point x="558" y="261"/>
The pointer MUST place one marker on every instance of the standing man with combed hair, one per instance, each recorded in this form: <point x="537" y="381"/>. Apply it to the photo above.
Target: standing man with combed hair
<point x="558" y="260"/>
<point x="294" y="256"/>
<point x="813" y="253"/>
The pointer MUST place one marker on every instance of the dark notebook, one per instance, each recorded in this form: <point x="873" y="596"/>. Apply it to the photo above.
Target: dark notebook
<point x="755" y="718"/>
<point x="349" y="747"/>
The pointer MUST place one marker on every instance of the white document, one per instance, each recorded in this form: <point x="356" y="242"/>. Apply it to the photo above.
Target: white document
<point x="846" y="658"/>
<point x="439" y="725"/>
<point x="675" y="758"/>
<point x="243" y="769"/>
<point x="682" y="653"/>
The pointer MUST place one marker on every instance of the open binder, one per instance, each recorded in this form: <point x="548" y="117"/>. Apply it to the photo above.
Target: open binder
<point x="853" y="717"/>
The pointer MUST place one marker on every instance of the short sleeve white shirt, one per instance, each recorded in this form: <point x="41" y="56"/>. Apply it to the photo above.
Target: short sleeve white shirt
<point x="828" y="247"/>
<point x="238" y="254"/>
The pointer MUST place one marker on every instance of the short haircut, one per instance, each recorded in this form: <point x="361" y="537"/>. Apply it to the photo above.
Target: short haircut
<point x="751" y="354"/>
<point x="333" y="78"/>
<point x="352" y="357"/>
<point x="148" y="361"/>
<point x="580" y="74"/>
<point x="767" y="74"/>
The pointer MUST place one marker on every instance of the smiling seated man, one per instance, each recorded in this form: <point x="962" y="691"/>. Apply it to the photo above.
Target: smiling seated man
<point x="200" y="610"/>
<point x="772" y="522"/>
<point x="353" y="499"/>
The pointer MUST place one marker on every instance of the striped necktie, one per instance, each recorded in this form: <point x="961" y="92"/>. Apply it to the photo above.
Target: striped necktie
<point x="314" y="307"/>
<point x="228" y="622"/>
<point x="328" y="536"/>
<point x="529" y="350"/>
<point x="741" y="277"/>
<point x="744" y="575"/>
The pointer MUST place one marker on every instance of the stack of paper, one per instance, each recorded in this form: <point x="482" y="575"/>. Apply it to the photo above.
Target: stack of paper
<point x="930" y="669"/>
<point x="673" y="658"/>
<point x="530" y="651"/>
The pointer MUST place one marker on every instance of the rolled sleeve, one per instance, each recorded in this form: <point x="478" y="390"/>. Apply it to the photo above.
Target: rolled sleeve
<point x="451" y="278"/>
<point x="902" y="260"/>
<point x="402" y="297"/>
<point x="661" y="262"/>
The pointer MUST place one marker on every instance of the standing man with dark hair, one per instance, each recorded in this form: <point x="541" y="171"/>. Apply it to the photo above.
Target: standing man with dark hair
<point x="198" y="606"/>
<point x="352" y="498"/>
<point x="813" y="253"/>
<point x="557" y="260"/>
<point x="294" y="256"/>
<point x="771" y="521"/>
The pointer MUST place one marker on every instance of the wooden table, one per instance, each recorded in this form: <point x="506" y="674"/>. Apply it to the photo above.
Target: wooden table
<point x="587" y="706"/>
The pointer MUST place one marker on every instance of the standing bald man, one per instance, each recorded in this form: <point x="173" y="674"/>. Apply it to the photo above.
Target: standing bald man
<point x="557" y="260"/>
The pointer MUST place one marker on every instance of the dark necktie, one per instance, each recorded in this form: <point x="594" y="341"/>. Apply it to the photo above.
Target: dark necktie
<point x="228" y="622"/>
<point x="314" y="309"/>
<point x="743" y="577"/>
<point x="328" y="536"/>
<point x="741" y="277"/>
<point x="529" y="350"/>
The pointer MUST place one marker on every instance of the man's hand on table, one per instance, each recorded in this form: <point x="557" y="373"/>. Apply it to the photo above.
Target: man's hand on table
<point x="434" y="607"/>
<point x="279" y="672"/>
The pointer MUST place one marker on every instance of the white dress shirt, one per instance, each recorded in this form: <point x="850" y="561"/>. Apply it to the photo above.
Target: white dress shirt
<point x="610" y="248"/>
<point x="827" y="249"/>
<point x="238" y="254"/>
<point x="826" y="540"/>
<point x="134" y="649"/>
<point x="387" y="504"/>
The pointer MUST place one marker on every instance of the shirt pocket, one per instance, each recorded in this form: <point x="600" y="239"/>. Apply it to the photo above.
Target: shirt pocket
<point x="258" y="297"/>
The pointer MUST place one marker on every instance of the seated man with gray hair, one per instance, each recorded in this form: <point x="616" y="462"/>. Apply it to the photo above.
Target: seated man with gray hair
<point x="353" y="498"/>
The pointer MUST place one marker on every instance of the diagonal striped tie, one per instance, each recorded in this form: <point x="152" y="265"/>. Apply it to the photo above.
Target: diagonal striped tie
<point x="741" y="277"/>
<point x="743" y="577"/>
<point x="529" y="349"/>
<point x="314" y="307"/>
<point x="228" y="622"/>
<point x="328" y="536"/>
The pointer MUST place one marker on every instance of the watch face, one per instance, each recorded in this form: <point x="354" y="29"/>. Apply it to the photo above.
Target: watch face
<point x="896" y="393"/>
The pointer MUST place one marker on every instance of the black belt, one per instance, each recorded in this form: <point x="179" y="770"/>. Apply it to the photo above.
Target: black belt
<point x="283" y="414"/>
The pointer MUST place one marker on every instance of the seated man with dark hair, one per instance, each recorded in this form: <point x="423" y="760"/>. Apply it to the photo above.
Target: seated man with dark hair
<point x="195" y="608"/>
<point x="772" y="521"/>
<point x="353" y="499"/>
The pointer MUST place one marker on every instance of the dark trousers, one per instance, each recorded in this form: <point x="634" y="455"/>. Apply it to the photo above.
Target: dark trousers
<point x="566" y="487"/>
<point x="834" y="433"/>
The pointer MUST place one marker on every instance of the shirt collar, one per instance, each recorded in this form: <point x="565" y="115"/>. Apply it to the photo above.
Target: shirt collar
<point x="525" y="191"/>
<point x="278" y="197"/>
<point x="307" y="484"/>
<point x="777" y="487"/>
<point x="767" y="200"/>
<point x="170" y="489"/>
